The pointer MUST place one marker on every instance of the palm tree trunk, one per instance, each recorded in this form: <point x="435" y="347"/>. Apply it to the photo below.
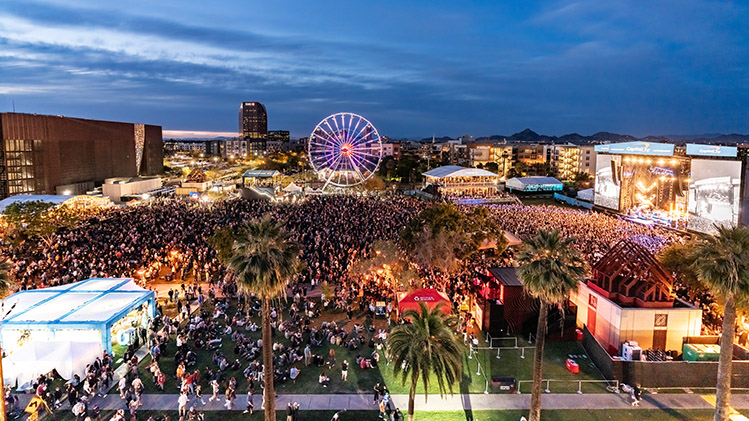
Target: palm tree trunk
<point x="723" y="387"/>
<point x="270" y="390"/>
<point x="538" y="364"/>
<point x="411" y="396"/>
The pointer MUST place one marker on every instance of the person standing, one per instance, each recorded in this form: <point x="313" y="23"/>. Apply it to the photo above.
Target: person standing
<point x="376" y="393"/>
<point x="344" y="370"/>
<point x="250" y="403"/>
<point x="182" y="404"/>
<point x="215" y="387"/>
<point x="382" y="409"/>
<point x="307" y="355"/>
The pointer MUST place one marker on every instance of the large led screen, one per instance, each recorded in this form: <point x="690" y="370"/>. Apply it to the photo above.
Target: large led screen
<point x="714" y="194"/>
<point x="608" y="181"/>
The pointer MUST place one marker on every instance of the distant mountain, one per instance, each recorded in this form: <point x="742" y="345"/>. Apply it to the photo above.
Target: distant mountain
<point x="442" y="139"/>
<point x="529" y="136"/>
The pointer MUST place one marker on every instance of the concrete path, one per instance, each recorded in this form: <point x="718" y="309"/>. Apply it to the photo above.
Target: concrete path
<point x="435" y="403"/>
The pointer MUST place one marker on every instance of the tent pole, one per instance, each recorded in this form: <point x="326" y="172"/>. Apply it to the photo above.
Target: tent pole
<point x="2" y="388"/>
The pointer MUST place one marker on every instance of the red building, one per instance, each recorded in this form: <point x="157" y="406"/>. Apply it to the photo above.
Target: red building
<point x="42" y="154"/>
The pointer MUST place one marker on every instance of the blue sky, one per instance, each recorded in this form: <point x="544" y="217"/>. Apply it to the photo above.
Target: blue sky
<point x="412" y="68"/>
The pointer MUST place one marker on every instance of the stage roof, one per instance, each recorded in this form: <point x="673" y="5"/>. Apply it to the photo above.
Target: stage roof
<point x="96" y="300"/>
<point x="458" y="171"/>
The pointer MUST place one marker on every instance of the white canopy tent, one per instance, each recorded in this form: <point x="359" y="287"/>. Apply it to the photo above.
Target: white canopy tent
<point x="66" y="327"/>
<point x="293" y="188"/>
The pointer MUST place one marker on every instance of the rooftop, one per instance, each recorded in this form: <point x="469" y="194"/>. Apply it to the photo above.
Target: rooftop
<point x="458" y="171"/>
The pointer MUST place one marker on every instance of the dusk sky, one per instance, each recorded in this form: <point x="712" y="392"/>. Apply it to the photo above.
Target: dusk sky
<point x="413" y="68"/>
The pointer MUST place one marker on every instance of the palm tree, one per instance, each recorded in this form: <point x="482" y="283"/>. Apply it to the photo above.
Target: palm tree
<point x="550" y="268"/>
<point x="426" y="345"/>
<point x="264" y="259"/>
<point x="722" y="264"/>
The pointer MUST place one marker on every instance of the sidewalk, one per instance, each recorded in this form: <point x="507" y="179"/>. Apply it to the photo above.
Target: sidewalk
<point x="435" y="403"/>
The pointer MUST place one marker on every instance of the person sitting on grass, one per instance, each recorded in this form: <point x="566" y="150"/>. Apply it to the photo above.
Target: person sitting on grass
<point x="294" y="373"/>
<point x="324" y="380"/>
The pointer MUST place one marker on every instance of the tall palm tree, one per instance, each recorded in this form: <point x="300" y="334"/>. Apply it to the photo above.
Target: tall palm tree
<point x="426" y="345"/>
<point x="550" y="268"/>
<point x="722" y="264"/>
<point x="264" y="259"/>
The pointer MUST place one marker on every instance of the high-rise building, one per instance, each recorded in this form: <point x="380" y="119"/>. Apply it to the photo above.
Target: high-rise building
<point x="44" y="154"/>
<point x="253" y="126"/>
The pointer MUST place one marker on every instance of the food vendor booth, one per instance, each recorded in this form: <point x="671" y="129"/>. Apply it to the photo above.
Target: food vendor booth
<point x="67" y="327"/>
<point x="432" y="298"/>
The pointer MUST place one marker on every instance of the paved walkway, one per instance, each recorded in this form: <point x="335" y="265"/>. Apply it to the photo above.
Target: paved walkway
<point x="435" y="403"/>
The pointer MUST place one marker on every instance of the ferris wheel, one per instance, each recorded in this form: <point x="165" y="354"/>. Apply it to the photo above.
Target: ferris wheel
<point x="345" y="149"/>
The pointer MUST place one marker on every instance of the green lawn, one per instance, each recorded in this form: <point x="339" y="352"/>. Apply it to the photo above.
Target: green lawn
<point x="510" y="364"/>
<point x="554" y="415"/>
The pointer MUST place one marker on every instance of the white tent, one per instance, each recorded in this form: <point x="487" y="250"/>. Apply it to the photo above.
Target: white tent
<point x="67" y="326"/>
<point x="586" y="195"/>
<point x="36" y="358"/>
<point x="292" y="188"/>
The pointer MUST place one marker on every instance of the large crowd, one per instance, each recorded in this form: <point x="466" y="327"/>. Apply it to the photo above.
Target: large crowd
<point x="171" y="239"/>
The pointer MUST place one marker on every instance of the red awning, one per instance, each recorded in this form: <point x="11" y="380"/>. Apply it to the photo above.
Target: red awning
<point x="432" y="298"/>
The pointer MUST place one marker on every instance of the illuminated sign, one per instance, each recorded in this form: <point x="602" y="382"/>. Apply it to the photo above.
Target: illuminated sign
<point x="637" y="148"/>
<point x="711" y="150"/>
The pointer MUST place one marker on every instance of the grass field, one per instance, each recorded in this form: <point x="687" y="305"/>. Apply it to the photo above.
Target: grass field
<point x="510" y="364"/>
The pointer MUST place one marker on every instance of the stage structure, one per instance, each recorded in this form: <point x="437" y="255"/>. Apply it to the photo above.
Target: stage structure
<point x="652" y="183"/>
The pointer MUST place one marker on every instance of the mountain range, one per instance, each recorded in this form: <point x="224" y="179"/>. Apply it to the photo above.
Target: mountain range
<point x="529" y="136"/>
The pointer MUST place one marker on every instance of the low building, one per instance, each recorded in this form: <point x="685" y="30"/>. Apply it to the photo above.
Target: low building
<point x="534" y="184"/>
<point x="117" y="188"/>
<point x="453" y="180"/>
<point x="630" y="298"/>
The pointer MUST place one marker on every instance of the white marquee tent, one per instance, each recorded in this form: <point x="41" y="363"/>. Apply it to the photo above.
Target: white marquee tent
<point x="68" y="326"/>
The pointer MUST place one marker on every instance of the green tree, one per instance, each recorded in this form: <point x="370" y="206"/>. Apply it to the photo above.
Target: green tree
<point x="678" y="259"/>
<point x="492" y="166"/>
<point x="427" y="346"/>
<point x="38" y="219"/>
<point x="466" y="232"/>
<point x="722" y="264"/>
<point x="386" y="261"/>
<point x="222" y="240"/>
<point x="550" y="268"/>
<point x="264" y="258"/>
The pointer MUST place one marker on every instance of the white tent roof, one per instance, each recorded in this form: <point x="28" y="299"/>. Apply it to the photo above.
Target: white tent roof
<point x="586" y="194"/>
<point x="292" y="188"/>
<point x="530" y="181"/>
<point x="458" y="171"/>
<point x="97" y="300"/>
<point x="46" y="198"/>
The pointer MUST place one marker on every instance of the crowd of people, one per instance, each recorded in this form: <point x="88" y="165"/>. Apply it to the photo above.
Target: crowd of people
<point x="171" y="239"/>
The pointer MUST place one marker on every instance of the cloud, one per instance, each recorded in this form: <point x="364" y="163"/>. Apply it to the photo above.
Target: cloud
<point x="485" y="68"/>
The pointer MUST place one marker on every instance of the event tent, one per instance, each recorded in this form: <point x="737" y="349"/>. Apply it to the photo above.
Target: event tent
<point x="292" y="188"/>
<point x="432" y="298"/>
<point x="534" y="184"/>
<point x="77" y="317"/>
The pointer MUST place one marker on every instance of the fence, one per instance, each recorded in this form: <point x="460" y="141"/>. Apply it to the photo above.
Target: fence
<point x="662" y="374"/>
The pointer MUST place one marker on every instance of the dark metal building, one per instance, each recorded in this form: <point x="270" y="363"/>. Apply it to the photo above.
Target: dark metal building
<point x="42" y="154"/>
<point x="253" y="126"/>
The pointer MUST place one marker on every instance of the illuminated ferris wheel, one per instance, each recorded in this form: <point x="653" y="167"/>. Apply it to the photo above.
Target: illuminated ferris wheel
<point x="345" y="149"/>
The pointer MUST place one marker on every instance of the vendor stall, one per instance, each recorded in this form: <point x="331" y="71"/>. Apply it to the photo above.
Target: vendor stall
<point x="431" y="297"/>
<point x="67" y="326"/>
